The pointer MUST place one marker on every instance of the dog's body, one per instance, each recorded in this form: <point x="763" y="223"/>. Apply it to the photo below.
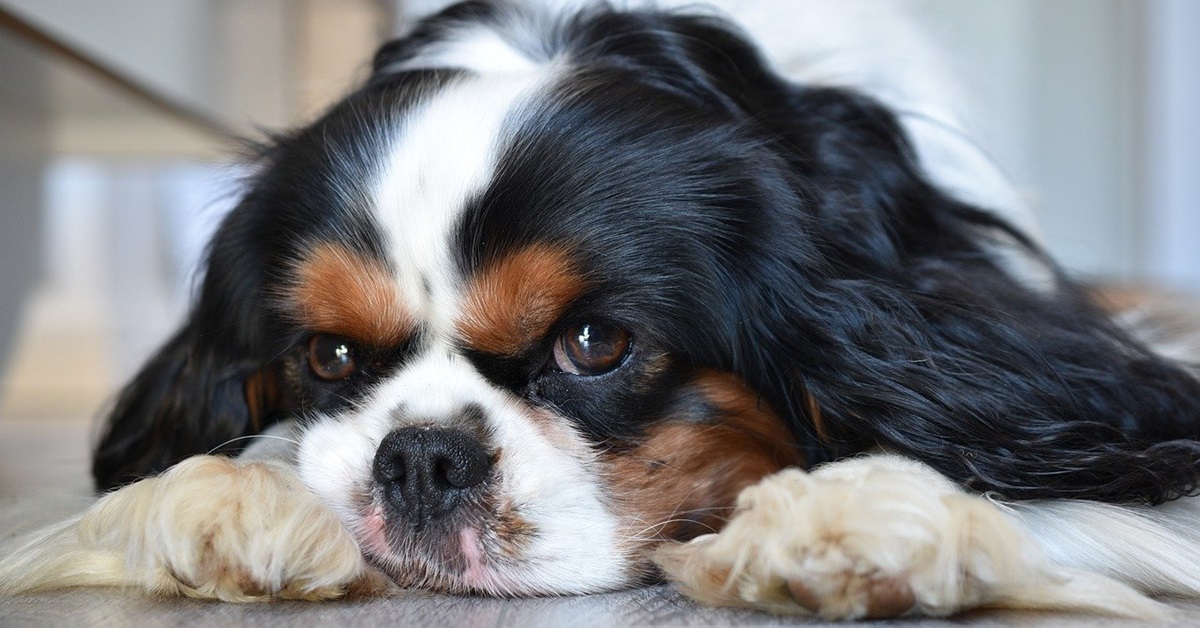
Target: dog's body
<point x="527" y="312"/>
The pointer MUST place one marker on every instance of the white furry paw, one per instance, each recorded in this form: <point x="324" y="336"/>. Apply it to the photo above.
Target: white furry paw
<point x="209" y="527"/>
<point x="877" y="537"/>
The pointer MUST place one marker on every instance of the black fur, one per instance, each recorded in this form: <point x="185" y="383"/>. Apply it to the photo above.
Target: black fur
<point x="734" y="222"/>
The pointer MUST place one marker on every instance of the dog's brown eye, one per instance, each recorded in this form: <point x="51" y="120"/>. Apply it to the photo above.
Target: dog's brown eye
<point x="591" y="349"/>
<point x="330" y="358"/>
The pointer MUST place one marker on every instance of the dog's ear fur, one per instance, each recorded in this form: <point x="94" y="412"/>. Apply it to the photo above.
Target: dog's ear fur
<point x="901" y="324"/>
<point x="188" y="399"/>
<point x="212" y="382"/>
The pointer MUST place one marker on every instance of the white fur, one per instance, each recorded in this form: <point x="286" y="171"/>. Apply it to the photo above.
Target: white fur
<point x="478" y="49"/>
<point x="1155" y="549"/>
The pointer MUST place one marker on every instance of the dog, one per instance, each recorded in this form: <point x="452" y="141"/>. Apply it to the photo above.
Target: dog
<point x="568" y="300"/>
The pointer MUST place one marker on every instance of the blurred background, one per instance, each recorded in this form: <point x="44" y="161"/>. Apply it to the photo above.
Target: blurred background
<point x="116" y="159"/>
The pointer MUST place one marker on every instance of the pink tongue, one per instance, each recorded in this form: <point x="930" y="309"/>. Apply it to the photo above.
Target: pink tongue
<point x="371" y="534"/>
<point x="476" y="573"/>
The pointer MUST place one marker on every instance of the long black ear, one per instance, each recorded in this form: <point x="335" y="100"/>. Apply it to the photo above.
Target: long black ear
<point x="190" y="398"/>
<point x="216" y="379"/>
<point x="896" y="322"/>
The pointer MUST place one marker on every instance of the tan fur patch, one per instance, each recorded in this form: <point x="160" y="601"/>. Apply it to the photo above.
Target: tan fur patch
<point x="338" y="291"/>
<point x="262" y="395"/>
<point x="512" y="532"/>
<point x="815" y="415"/>
<point x="512" y="302"/>
<point x="683" y="478"/>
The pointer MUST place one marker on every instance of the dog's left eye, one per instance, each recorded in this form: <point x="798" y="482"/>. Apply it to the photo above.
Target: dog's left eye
<point x="331" y="358"/>
<point x="591" y="348"/>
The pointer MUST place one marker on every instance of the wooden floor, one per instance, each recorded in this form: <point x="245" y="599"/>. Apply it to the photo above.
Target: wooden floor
<point x="656" y="606"/>
<point x="43" y="478"/>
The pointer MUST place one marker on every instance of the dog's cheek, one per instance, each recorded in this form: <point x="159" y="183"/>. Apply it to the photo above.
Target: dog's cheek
<point x="681" y="479"/>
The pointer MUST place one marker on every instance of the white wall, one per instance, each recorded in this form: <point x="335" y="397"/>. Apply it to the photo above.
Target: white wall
<point x="1093" y="108"/>
<point x="1171" y="169"/>
<point x="1054" y="84"/>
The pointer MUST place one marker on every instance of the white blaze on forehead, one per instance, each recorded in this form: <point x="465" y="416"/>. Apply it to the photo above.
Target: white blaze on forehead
<point x="478" y="49"/>
<point x="444" y="153"/>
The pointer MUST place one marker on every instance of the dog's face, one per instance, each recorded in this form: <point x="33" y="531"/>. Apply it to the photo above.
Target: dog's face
<point x="544" y="293"/>
<point x="516" y="385"/>
<point x="503" y="301"/>
<point x="525" y="374"/>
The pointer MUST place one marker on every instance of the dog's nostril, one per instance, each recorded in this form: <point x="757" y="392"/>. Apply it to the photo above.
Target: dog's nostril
<point x="464" y="466"/>
<point x="425" y="472"/>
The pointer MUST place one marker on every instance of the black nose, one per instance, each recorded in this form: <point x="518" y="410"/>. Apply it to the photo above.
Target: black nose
<point x="426" y="472"/>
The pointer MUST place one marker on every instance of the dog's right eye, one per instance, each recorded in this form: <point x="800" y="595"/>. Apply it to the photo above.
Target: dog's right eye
<point x="331" y="358"/>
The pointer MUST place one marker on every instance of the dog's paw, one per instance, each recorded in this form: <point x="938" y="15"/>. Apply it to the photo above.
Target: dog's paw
<point x="879" y="537"/>
<point x="213" y="527"/>
<point x="210" y="527"/>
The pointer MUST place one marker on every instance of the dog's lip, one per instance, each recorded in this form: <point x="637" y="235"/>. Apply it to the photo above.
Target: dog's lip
<point x="471" y="571"/>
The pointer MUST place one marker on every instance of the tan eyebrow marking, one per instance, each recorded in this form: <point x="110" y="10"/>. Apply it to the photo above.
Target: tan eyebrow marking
<point x="512" y="302"/>
<point x="338" y="291"/>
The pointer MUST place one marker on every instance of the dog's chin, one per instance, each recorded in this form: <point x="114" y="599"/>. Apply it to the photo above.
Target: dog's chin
<point x="457" y="564"/>
<point x="478" y="551"/>
<point x="462" y="565"/>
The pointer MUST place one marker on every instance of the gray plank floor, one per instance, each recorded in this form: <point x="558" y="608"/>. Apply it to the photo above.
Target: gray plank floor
<point x="43" y="478"/>
<point x="657" y="606"/>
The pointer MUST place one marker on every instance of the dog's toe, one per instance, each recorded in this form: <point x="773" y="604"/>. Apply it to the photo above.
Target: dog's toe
<point x="889" y="597"/>
<point x="871" y="597"/>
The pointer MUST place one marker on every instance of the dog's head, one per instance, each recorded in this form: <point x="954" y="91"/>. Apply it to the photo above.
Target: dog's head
<point x="546" y="291"/>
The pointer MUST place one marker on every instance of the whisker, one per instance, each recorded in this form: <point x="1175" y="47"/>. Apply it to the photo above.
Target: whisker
<point x="250" y="437"/>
